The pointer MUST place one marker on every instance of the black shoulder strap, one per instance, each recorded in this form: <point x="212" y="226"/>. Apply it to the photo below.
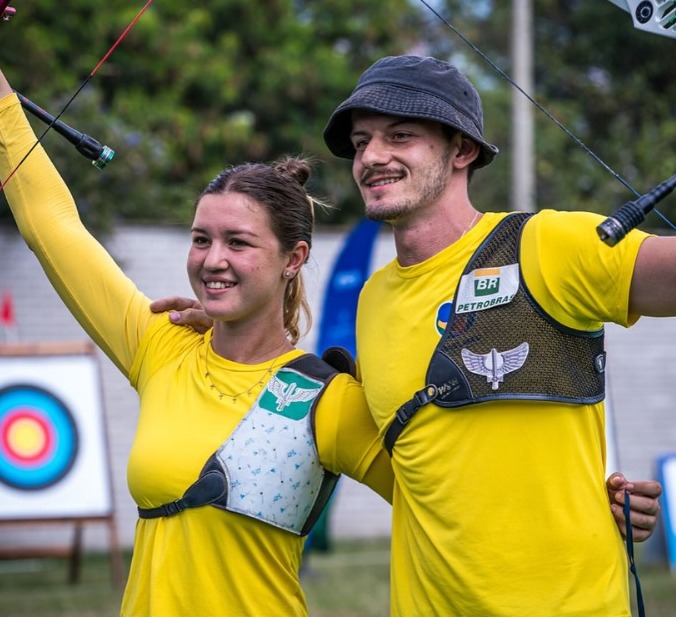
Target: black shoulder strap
<point x="340" y="359"/>
<point x="334" y="360"/>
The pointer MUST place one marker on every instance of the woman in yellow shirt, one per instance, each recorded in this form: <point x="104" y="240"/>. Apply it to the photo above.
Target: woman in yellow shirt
<point x="223" y="405"/>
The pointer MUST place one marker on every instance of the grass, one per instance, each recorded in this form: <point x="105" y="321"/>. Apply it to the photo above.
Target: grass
<point x="39" y="587"/>
<point x="349" y="581"/>
<point x="659" y="590"/>
<point x="352" y="580"/>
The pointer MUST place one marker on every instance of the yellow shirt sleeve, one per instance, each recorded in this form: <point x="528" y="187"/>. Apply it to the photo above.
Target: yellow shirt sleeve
<point x="347" y="437"/>
<point x="578" y="279"/>
<point x="103" y="300"/>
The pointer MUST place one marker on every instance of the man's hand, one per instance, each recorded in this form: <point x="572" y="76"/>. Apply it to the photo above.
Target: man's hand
<point x="644" y="503"/>
<point x="183" y="312"/>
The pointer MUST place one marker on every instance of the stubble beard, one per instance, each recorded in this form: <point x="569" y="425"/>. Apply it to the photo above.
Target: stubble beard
<point x="426" y="189"/>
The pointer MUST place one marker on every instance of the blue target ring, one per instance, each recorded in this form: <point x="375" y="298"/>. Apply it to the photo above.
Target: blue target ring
<point x="38" y="438"/>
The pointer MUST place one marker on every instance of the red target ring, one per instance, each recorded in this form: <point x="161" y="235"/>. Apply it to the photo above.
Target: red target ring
<point x="28" y="436"/>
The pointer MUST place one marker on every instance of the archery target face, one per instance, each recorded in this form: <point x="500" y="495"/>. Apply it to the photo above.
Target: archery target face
<point x="38" y="438"/>
<point x="53" y="453"/>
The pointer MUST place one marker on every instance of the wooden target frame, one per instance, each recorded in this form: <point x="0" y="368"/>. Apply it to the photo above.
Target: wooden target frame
<point x="54" y="454"/>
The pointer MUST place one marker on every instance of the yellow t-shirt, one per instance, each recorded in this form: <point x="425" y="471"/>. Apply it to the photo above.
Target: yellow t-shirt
<point x="500" y="508"/>
<point x="208" y="561"/>
<point x="204" y="561"/>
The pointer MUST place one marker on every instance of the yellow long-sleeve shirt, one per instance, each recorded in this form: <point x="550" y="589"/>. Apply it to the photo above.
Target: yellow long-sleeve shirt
<point x="204" y="561"/>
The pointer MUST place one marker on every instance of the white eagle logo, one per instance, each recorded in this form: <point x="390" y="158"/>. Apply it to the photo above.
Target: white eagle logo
<point x="288" y="393"/>
<point x="495" y="364"/>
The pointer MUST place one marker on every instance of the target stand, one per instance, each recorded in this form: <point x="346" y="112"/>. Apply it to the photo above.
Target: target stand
<point x="54" y="457"/>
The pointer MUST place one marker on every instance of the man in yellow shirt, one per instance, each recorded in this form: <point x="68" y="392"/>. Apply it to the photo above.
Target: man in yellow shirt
<point x="498" y="449"/>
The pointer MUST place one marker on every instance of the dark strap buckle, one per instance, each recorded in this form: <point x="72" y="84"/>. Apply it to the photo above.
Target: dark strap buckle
<point x="406" y="412"/>
<point x="174" y="507"/>
<point x="420" y="398"/>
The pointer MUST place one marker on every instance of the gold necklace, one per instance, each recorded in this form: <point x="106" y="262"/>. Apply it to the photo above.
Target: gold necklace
<point x="207" y="375"/>
<point x="471" y="224"/>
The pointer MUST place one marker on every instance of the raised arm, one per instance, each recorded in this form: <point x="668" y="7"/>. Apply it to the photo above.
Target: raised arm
<point x="653" y="285"/>
<point x="103" y="300"/>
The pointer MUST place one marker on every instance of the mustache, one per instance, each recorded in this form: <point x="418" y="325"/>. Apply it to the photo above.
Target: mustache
<point x="368" y="174"/>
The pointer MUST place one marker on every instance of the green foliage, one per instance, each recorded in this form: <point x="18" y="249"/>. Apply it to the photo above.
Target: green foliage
<point x="607" y="83"/>
<point x="613" y="84"/>
<point x="194" y="88"/>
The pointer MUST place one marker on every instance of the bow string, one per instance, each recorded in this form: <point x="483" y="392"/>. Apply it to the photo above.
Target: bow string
<point x="632" y="213"/>
<point x="86" y="145"/>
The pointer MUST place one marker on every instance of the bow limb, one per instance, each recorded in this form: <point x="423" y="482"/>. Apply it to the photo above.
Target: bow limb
<point x="653" y="16"/>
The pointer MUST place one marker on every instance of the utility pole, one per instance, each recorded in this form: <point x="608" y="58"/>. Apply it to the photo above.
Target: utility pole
<point x="523" y="159"/>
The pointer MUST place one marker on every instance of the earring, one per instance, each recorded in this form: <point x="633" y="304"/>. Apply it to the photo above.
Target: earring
<point x="288" y="274"/>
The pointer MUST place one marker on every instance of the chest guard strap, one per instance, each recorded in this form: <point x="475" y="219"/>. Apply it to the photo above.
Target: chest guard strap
<point x="500" y="344"/>
<point x="217" y="482"/>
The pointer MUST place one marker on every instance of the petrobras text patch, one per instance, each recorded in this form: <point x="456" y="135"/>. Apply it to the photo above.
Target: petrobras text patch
<point x="487" y="287"/>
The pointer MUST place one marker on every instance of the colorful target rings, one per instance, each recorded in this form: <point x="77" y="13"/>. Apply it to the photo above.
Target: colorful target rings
<point x="38" y="438"/>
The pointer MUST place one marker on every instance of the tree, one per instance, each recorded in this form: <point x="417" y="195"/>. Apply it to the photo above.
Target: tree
<point x="192" y="90"/>
<point x="606" y="82"/>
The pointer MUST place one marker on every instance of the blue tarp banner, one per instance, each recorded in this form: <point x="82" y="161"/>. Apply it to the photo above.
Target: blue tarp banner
<point x="666" y="467"/>
<point x="350" y="271"/>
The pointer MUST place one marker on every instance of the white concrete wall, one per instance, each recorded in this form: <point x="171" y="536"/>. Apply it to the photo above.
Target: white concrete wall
<point x="641" y="365"/>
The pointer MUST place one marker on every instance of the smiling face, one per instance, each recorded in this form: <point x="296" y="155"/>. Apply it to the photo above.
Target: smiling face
<point x="401" y="165"/>
<point x="235" y="263"/>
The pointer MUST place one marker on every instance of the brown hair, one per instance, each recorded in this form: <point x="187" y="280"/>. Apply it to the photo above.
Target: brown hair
<point x="279" y="188"/>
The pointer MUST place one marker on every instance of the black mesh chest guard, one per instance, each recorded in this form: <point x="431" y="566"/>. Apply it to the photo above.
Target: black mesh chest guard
<point x="508" y="351"/>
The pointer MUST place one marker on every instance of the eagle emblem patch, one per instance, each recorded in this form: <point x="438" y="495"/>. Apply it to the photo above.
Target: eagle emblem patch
<point x="290" y="394"/>
<point x="495" y="364"/>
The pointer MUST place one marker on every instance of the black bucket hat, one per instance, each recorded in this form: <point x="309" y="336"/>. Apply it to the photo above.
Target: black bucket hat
<point x="412" y="87"/>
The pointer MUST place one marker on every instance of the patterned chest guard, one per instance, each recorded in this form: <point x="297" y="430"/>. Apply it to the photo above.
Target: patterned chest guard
<point x="500" y="344"/>
<point x="268" y="468"/>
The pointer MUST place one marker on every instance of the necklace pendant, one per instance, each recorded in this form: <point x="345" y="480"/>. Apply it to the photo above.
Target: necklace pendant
<point x="235" y="397"/>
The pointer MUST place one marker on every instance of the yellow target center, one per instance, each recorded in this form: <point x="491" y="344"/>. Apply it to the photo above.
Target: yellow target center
<point x="27" y="437"/>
